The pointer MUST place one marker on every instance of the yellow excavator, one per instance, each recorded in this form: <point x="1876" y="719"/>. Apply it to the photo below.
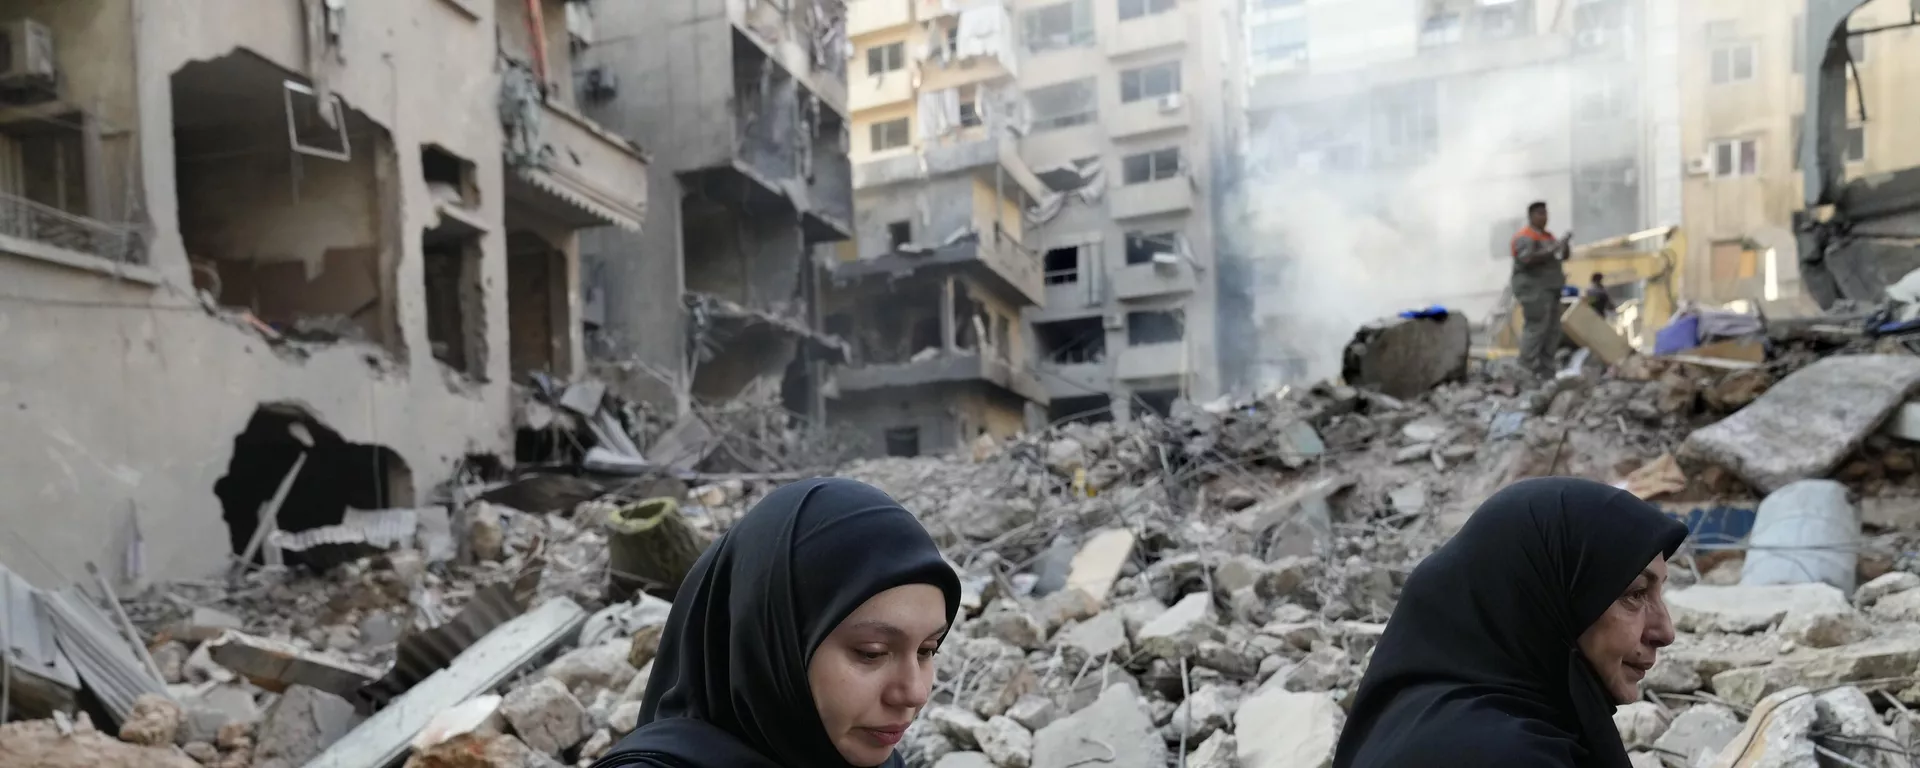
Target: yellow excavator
<point x="1642" y="273"/>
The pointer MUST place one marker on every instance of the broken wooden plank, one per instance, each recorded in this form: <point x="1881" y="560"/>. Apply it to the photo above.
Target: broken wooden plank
<point x="275" y="665"/>
<point x="1589" y="330"/>
<point x="384" y="738"/>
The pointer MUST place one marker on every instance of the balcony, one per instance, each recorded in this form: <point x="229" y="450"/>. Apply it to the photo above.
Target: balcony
<point x="1161" y="113"/>
<point x="1153" y="198"/>
<point x="864" y="16"/>
<point x="866" y="92"/>
<point x="1140" y="281"/>
<point x="1065" y="380"/>
<point x="975" y="149"/>
<point x="581" y="175"/>
<point x="938" y="75"/>
<point x="1152" y="361"/>
<point x="994" y="255"/>
<point x="1147" y="33"/>
<point x="41" y="231"/>
<point x="957" y="367"/>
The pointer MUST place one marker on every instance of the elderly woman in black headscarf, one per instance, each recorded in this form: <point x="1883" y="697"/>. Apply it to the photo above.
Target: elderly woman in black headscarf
<point x="804" y="637"/>
<point x="1513" y="643"/>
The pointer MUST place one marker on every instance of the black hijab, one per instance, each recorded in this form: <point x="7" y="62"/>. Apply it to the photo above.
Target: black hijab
<point x="729" y="687"/>
<point x="1480" y="664"/>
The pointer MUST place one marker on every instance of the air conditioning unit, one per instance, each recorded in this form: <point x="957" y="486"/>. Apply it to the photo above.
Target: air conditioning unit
<point x="26" y="55"/>
<point x="1170" y="102"/>
<point x="1114" y="321"/>
<point x="1699" y="166"/>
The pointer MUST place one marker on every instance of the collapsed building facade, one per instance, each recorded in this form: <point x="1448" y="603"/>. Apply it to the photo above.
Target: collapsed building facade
<point x="931" y="291"/>
<point x="249" y="245"/>
<point x="744" y="103"/>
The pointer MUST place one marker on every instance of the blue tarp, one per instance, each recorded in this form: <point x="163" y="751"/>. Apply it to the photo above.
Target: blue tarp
<point x="1436" y="312"/>
<point x="1714" y="526"/>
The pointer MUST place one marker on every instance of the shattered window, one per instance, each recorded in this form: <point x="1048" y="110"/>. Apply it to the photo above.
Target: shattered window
<point x="1150" y="166"/>
<point x="1148" y="82"/>
<point x="1736" y="157"/>
<point x="1059" y="26"/>
<point x="1064" y="105"/>
<point x="1062" y="266"/>
<point x="1133" y="9"/>
<point x="1142" y="246"/>
<point x="1155" y="327"/>
<point x="891" y="134"/>
<point x="1508" y="18"/>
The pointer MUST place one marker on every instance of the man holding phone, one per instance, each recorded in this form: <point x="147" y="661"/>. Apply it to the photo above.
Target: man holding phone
<point x="1537" y="283"/>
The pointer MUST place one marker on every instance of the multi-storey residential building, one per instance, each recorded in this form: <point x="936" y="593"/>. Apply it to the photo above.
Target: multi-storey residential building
<point x="250" y="242"/>
<point x="1394" y="146"/>
<point x="1744" y="82"/>
<point x="1134" y="106"/>
<point x="931" y="290"/>
<point x="744" y="105"/>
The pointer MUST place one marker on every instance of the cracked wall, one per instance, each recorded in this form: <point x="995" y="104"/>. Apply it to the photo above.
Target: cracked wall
<point x="128" y="394"/>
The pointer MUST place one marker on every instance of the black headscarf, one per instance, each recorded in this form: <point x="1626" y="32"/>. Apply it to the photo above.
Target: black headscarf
<point x="729" y="687"/>
<point x="1480" y="664"/>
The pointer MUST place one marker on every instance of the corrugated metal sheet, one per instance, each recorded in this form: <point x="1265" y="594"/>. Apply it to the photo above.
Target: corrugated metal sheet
<point x="104" y="660"/>
<point x="422" y="654"/>
<point x="27" y="638"/>
<point x="382" y="528"/>
<point x="553" y="186"/>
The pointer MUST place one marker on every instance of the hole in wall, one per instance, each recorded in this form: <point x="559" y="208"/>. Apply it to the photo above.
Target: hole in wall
<point x="337" y="475"/>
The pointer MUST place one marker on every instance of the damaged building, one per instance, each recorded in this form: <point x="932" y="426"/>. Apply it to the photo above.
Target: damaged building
<point x="931" y="291"/>
<point x="251" y="246"/>
<point x="744" y="103"/>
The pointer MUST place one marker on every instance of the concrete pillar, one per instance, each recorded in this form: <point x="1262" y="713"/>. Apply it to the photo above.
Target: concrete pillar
<point x="947" y="328"/>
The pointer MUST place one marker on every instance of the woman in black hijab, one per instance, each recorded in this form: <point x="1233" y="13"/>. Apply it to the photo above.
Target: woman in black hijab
<point x="804" y="637"/>
<point x="1512" y="644"/>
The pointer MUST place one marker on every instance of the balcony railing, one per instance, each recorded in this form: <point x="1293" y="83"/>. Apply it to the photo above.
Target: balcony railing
<point x="47" y="225"/>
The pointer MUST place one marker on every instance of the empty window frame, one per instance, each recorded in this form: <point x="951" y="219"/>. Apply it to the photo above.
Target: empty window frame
<point x="1063" y="105"/>
<point x="899" y="234"/>
<point x="1409" y="122"/>
<point x="1062" y="265"/>
<point x="1133" y="9"/>
<point x="1059" y="26"/>
<point x="882" y="59"/>
<point x="891" y="134"/>
<point x="1278" y="41"/>
<point x="1856" y="143"/>
<point x="1511" y="18"/>
<point x="1155" y="327"/>
<point x="1733" y="62"/>
<point x="1142" y="246"/>
<point x="1150" y="166"/>
<point x="1149" y="82"/>
<point x="1735" y="157"/>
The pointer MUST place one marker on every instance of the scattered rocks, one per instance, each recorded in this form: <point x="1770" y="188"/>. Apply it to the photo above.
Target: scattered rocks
<point x="154" y="722"/>
<point x="1699" y="730"/>
<point x="1007" y="743"/>
<point x="1116" y="731"/>
<point x="1640" y="723"/>
<point x="1180" y="630"/>
<point x="546" y="716"/>
<point x="1708" y="608"/>
<point x="1281" y="729"/>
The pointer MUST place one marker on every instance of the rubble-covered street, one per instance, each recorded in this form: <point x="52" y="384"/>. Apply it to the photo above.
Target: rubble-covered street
<point x="1202" y="589"/>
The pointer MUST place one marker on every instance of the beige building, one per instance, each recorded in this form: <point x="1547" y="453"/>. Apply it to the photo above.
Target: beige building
<point x="1743" y="84"/>
<point x="240" y="237"/>
<point x="1054" y="161"/>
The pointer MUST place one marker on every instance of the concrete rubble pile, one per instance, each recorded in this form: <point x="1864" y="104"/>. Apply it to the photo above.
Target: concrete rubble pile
<point x="1199" y="589"/>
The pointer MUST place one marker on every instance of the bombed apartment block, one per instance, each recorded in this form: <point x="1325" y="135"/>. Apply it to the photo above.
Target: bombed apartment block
<point x="274" y="265"/>
<point x="744" y="103"/>
<point x="931" y="292"/>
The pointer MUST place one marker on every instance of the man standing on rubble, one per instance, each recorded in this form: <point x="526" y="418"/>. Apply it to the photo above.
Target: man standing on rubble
<point x="1537" y="284"/>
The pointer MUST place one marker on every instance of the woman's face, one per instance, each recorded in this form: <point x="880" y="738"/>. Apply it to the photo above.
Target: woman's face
<point x="1623" y="643"/>
<point x="874" y="673"/>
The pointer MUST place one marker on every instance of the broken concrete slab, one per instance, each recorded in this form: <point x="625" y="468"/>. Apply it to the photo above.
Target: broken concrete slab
<point x="1899" y="606"/>
<point x="300" y="723"/>
<point x="1180" y="630"/>
<point x="956" y="723"/>
<point x="1208" y="710"/>
<point x="1007" y="743"/>
<point x="1103" y="636"/>
<point x="546" y="716"/>
<point x="1008" y="620"/>
<point x="1860" y="737"/>
<point x="1220" y="750"/>
<point x="1671" y="676"/>
<point x="1808" y="422"/>
<point x="594" y="667"/>
<point x="1099" y="561"/>
<point x="1886" y="584"/>
<point x="1699" y="730"/>
<point x="1116" y="731"/>
<point x="154" y="722"/>
<point x="1405" y="357"/>
<point x="1282" y="729"/>
<point x="1034" y="712"/>
<point x="274" y="665"/>
<point x="481" y="667"/>
<point x="1708" y="608"/>
<point x="1640" y="723"/>
<point x="1890" y="656"/>
<point x="1807" y="531"/>
<point x="1776" y="736"/>
<point x="964" y="760"/>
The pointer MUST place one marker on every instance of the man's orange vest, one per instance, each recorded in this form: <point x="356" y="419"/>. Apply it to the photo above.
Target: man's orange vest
<point x="1513" y="246"/>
